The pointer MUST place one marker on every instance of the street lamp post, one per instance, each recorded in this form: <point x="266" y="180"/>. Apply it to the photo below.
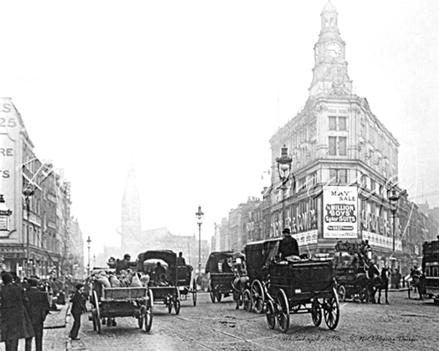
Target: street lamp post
<point x="199" y="216"/>
<point x="393" y="197"/>
<point x="284" y="172"/>
<point x="88" y="258"/>
<point x="28" y="192"/>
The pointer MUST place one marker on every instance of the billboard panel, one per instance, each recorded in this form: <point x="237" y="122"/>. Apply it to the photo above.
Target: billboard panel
<point x="340" y="212"/>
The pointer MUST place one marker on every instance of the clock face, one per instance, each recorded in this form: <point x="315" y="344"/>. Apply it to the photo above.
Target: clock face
<point x="333" y="50"/>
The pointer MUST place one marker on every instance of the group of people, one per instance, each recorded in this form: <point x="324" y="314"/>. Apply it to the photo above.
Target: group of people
<point x="24" y="306"/>
<point x="23" y="311"/>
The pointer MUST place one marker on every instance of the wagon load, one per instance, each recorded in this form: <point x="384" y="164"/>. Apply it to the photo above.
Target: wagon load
<point x="120" y="295"/>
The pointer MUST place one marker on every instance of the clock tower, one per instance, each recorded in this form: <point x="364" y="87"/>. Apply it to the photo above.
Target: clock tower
<point x="330" y="75"/>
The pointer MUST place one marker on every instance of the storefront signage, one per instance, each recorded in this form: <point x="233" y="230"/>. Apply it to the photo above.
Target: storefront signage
<point x="381" y="241"/>
<point x="306" y="238"/>
<point x="340" y="212"/>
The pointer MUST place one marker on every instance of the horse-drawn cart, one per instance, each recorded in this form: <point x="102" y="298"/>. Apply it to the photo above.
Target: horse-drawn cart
<point x="163" y="282"/>
<point x="220" y="274"/>
<point x="304" y="286"/>
<point x="109" y="303"/>
<point x="187" y="283"/>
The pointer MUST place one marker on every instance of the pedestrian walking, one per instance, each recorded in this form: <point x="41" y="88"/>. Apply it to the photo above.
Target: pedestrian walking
<point x="38" y="310"/>
<point x="15" y="322"/>
<point x="77" y="308"/>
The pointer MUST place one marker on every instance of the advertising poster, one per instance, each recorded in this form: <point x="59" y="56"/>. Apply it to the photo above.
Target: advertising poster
<point x="340" y="212"/>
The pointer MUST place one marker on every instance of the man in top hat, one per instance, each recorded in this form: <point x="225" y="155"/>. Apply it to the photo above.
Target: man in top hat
<point x="288" y="246"/>
<point x="38" y="310"/>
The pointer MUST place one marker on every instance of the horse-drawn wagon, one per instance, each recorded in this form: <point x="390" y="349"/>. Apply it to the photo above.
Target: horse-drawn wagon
<point x="220" y="274"/>
<point x="350" y="268"/>
<point x="187" y="283"/>
<point x="161" y="266"/>
<point x="282" y="286"/>
<point x="110" y="302"/>
<point x="258" y="253"/>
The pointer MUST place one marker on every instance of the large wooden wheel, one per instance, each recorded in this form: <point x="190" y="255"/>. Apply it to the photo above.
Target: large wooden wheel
<point x="270" y="315"/>
<point x="97" y="313"/>
<point x="194" y="292"/>
<point x="257" y="296"/>
<point x="331" y="311"/>
<point x="177" y="301"/>
<point x="148" y="316"/>
<point x="141" y="316"/>
<point x="283" y="311"/>
<point x="342" y="292"/>
<point x="247" y="300"/>
<point x="212" y="292"/>
<point x="316" y="313"/>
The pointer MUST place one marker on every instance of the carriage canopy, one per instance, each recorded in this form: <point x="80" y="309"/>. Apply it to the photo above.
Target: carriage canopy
<point x="167" y="256"/>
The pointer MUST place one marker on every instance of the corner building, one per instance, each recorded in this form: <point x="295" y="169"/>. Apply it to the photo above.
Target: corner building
<point x="341" y="152"/>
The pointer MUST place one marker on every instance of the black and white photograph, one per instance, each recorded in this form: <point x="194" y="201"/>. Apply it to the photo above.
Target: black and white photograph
<point x="198" y="175"/>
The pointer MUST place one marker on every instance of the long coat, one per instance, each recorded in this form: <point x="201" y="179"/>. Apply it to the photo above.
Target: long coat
<point x="15" y="321"/>
<point x="39" y="305"/>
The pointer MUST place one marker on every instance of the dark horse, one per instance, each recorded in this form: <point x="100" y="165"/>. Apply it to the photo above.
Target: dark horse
<point x="378" y="282"/>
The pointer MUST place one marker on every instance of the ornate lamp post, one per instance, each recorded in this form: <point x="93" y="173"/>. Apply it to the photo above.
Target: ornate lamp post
<point x="284" y="172"/>
<point x="199" y="216"/>
<point x="393" y="198"/>
<point x="28" y="192"/>
<point x="88" y="258"/>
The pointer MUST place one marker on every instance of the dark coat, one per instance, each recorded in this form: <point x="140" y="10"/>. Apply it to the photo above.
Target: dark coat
<point x="78" y="303"/>
<point x="39" y="305"/>
<point x="288" y="246"/>
<point x="15" y="322"/>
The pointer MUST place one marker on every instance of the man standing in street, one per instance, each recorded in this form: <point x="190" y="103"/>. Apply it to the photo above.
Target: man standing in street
<point x="38" y="310"/>
<point x="15" y="322"/>
<point x="77" y="309"/>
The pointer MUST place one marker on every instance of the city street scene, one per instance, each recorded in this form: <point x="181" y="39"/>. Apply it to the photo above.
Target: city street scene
<point x="219" y="176"/>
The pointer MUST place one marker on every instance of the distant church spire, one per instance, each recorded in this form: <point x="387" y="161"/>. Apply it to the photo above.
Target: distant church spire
<point x="131" y="226"/>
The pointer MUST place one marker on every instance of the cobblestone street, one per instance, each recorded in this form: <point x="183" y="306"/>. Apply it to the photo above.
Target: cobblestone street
<point x="403" y="325"/>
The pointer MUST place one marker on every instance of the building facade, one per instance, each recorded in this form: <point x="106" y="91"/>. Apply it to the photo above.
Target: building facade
<point x="34" y="242"/>
<point x="344" y="170"/>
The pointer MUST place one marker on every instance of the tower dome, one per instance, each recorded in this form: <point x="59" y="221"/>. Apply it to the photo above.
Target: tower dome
<point x="329" y="7"/>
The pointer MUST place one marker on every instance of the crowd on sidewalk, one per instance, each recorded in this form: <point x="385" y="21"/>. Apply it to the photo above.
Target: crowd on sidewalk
<point x="27" y="312"/>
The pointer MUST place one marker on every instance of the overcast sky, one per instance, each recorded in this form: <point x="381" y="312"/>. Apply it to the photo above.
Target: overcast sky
<point x="192" y="91"/>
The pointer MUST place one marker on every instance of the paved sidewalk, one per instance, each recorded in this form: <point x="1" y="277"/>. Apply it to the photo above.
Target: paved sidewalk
<point x="55" y="333"/>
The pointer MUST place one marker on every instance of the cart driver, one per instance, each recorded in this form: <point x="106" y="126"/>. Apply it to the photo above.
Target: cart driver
<point x="160" y="272"/>
<point x="288" y="246"/>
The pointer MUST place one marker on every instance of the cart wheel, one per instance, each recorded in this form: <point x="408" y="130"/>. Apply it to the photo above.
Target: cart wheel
<point x="194" y="292"/>
<point x="363" y="295"/>
<point x="342" y="292"/>
<point x="331" y="311"/>
<point x="169" y="303"/>
<point x="177" y="302"/>
<point x="282" y="305"/>
<point x="218" y="296"/>
<point x="257" y="294"/>
<point x="212" y="294"/>
<point x="98" y="313"/>
<point x="148" y="317"/>
<point x="247" y="302"/>
<point x="94" y="319"/>
<point x="141" y="316"/>
<point x="316" y="313"/>
<point x="270" y="315"/>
